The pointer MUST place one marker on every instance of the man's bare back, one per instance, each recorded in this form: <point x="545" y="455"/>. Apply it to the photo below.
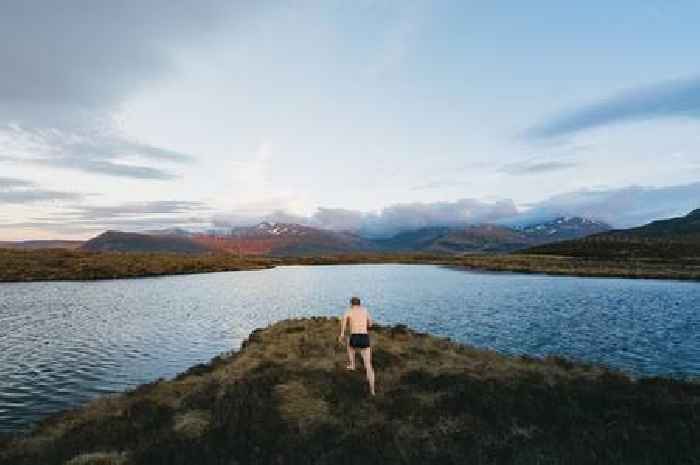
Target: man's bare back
<point x="357" y="319"/>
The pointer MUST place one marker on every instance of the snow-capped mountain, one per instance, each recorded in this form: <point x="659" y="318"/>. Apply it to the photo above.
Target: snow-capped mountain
<point x="294" y="239"/>
<point x="564" y="228"/>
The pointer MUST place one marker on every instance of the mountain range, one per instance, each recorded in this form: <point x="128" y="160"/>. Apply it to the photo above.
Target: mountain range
<point x="285" y="239"/>
<point x="674" y="238"/>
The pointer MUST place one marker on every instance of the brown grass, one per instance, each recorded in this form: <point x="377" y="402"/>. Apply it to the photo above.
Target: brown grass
<point x="59" y="264"/>
<point x="45" y="265"/>
<point x="286" y="398"/>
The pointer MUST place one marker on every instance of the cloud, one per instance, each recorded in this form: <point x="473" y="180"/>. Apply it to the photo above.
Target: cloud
<point x="21" y="191"/>
<point x="68" y="66"/>
<point x="677" y="98"/>
<point x="623" y="207"/>
<point x="131" y="216"/>
<point x="12" y="183"/>
<point x="535" y="167"/>
<point x="620" y="207"/>
<point x="250" y="215"/>
<point x="97" y="212"/>
<point x="400" y="217"/>
<point x="439" y="184"/>
<point x="388" y="221"/>
<point x="93" y="54"/>
<point x="97" y="151"/>
<point x="105" y="167"/>
<point x="339" y="219"/>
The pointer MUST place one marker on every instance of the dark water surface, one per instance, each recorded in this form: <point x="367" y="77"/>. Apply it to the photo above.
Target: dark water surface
<point x="63" y="343"/>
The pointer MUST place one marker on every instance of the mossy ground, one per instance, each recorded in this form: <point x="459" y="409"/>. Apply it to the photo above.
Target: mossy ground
<point x="286" y="398"/>
<point x="61" y="264"/>
<point x="47" y="265"/>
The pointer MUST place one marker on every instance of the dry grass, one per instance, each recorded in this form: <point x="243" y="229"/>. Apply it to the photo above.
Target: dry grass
<point x="60" y="264"/>
<point x="45" y="265"/>
<point x="287" y="398"/>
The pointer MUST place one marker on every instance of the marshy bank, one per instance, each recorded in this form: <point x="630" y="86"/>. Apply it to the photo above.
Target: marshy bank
<point x="286" y="397"/>
<point x="72" y="265"/>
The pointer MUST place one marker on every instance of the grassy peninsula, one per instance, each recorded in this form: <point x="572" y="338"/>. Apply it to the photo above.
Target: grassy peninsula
<point x="286" y="398"/>
<point x="637" y="267"/>
<point x="60" y="264"/>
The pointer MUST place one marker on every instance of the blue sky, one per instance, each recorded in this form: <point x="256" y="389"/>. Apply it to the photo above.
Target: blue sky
<point x="345" y="114"/>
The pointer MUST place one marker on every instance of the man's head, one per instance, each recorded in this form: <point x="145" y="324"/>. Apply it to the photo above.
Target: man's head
<point x="355" y="301"/>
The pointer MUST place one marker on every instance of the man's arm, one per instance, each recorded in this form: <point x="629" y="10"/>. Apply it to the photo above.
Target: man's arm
<point x="369" y="321"/>
<point x="343" y="321"/>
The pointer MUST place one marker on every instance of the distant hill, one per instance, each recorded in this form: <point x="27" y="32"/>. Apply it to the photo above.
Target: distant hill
<point x="481" y="238"/>
<point x="35" y="245"/>
<point x="417" y="239"/>
<point x="117" y="241"/>
<point x="673" y="238"/>
<point x="683" y="229"/>
<point x="285" y="239"/>
<point x="491" y="238"/>
<point x="263" y="239"/>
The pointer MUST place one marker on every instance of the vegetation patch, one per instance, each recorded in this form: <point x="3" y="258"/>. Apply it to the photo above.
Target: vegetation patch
<point x="437" y="402"/>
<point x="61" y="264"/>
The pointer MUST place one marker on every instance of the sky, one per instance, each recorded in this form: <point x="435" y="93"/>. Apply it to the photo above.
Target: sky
<point x="374" y="116"/>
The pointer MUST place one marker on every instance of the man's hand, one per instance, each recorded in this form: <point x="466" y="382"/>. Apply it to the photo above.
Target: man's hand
<point x="341" y="339"/>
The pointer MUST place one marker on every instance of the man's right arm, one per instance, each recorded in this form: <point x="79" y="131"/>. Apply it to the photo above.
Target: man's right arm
<point x="343" y="321"/>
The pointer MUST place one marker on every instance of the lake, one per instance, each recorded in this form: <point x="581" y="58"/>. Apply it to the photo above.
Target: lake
<point x="63" y="343"/>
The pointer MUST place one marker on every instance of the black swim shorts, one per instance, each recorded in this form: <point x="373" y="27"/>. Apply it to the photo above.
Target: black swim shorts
<point x="359" y="341"/>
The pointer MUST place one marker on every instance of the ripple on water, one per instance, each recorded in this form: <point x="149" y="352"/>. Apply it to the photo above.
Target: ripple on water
<point x="64" y="343"/>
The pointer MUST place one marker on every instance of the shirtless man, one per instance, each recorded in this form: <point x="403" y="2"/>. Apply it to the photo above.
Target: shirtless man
<point x="359" y="320"/>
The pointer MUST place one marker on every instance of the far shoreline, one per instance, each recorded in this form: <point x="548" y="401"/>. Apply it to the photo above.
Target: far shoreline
<point x="51" y="265"/>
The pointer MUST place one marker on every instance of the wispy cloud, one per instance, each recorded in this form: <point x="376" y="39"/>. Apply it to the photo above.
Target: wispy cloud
<point x="677" y="98"/>
<point x="536" y="167"/>
<point x="439" y="184"/>
<point x="131" y="216"/>
<point x="161" y="207"/>
<point x="13" y="183"/>
<point x="99" y="152"/>
<point x="389" y="220"/>
<point x="621" y="207"/>
<point x="21" y="191"/>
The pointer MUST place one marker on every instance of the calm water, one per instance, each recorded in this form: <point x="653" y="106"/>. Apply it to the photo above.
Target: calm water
<point x="63" y="343"/>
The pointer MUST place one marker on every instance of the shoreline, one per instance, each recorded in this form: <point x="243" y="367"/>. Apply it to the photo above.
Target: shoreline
<point x="76" y="266"/>
<point x="287" y="385"/>
<point x="220" y="358"/>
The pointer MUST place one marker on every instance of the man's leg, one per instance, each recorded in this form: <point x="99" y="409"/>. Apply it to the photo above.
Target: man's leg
<point x="351" y="357"/>
<point x="367" y="361"/>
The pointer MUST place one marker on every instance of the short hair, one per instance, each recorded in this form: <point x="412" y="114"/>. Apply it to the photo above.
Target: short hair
<point x="355" y="301"/>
